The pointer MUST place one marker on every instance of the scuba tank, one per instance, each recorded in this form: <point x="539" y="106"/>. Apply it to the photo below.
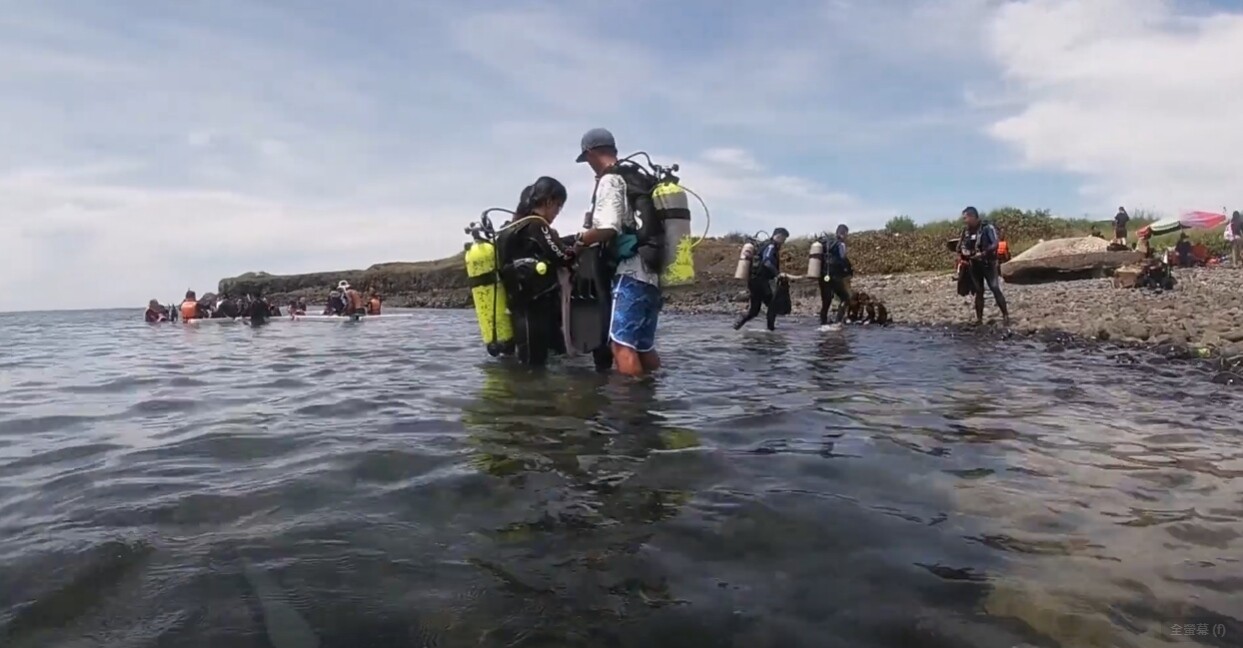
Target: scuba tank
<point x="746" y="257"/>
<point x="486" y="291"/>
<point x="673" y="210"/>
<point x="670" y="208"/>
<point x="815" y="259"/>
<point x="743" y="271"/>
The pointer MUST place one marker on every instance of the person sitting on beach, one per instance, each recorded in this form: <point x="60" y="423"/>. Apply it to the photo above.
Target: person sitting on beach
<point x="978" y="247"/>
<point x="1183" y="250"/>
<point x="1144" y="245"/>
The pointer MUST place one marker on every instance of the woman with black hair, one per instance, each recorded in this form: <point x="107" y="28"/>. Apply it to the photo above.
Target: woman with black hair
<point x="531" y="253"/>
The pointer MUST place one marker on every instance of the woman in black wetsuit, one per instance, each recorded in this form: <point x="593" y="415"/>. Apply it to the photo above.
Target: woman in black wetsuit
<point x="531" y="252"/>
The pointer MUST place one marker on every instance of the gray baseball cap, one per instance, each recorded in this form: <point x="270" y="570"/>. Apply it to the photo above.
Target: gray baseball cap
<point x="593" y="139"/>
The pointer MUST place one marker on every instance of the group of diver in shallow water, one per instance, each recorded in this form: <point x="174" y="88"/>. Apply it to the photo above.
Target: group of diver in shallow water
<point x="599" y="291"/>
<point x="342" y="300"/>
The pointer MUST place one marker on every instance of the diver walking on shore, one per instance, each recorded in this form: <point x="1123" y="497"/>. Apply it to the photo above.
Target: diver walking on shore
<point x="978" y="248"/>
<point x="760" y="281"/>
<point x="834" y="279"/>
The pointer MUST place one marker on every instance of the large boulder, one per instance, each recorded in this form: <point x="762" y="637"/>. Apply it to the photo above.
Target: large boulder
<point x="1066" y="259"/>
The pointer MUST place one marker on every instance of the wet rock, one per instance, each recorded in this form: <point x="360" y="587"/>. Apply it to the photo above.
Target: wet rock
<point x="1228" y="378"/>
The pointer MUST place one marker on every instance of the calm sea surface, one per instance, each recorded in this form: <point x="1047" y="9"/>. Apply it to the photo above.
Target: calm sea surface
<point x="325" y="484"/>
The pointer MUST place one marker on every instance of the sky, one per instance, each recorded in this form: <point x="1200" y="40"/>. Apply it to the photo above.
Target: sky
<point x="152" y="147"/>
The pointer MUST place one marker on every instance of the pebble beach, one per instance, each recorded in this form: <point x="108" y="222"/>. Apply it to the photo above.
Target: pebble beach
<point x="1203" y="311"/>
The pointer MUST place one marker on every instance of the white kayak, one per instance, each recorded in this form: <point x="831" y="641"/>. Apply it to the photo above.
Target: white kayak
<point x="296" y="318"/>
<point x="344" y="318"/>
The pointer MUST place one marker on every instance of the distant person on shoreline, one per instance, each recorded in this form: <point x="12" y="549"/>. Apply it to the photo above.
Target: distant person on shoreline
<point x="1236" y="246"/>
<point x="1120" y="221"/>
<point x="978" y="247"/>
<point x="760" y="283"/>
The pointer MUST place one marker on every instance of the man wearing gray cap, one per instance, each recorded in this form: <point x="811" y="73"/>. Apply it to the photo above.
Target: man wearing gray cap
<point x="636" y="286"/>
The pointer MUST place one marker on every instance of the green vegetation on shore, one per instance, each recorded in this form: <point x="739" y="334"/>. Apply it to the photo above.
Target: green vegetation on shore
<point x="902" y="247"/>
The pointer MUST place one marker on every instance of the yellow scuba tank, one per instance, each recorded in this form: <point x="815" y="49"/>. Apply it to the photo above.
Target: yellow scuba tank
<point x="487" y="292"/>
<point x="743" y="271"/>
<point x="674" y="211"/>
<point x="815" y="259"/>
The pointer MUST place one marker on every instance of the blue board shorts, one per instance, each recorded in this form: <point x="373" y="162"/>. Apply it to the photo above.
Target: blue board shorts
<point x="636" y="308"/>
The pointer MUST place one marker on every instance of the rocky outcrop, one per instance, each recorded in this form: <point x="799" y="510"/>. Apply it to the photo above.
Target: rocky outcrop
<point x="428" y="284"/>
<point x="1066" y="259"/>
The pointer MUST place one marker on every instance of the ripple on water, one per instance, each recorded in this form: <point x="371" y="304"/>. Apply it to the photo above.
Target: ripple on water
<point x="222" y="447"/>
<point x="63" y="455"/>
<point x="117" y="385"/>
<point x="164" y="406"/>
<point x="44" y="424"/>
<point x="867" y="488"/>
<point x="186" y="381"/>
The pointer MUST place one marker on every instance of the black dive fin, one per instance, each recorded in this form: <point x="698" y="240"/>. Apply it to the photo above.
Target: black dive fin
<point x="590" y="303"/>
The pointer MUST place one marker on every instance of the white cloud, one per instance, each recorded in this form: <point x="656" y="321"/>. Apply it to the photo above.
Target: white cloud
<point x="1138" y="96"/>
<point x="146" y="152"/>
<point x="193" y="144"/>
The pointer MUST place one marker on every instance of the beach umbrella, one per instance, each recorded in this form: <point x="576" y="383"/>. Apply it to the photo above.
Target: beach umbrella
<point x="1202" y="220"/>
<point x="1189" y="220"/>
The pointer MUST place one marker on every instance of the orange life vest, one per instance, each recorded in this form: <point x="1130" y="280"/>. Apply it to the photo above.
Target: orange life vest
<point x="1003" y="250"/>
<point x="189" y="310"/>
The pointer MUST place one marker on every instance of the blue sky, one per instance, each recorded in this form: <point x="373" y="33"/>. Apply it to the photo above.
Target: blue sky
<point x="152" y="147"/>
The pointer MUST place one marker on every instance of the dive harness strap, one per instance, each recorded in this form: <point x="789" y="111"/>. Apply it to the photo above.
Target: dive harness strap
<point x="486" y="279"/>
<point x="493" y="277"/>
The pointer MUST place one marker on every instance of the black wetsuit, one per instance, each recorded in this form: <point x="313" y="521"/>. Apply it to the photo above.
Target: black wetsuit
<point x="1183" y="249"/>
<point x="760" y="285"/>
<point x="259" y="312"/>
<point x="336" y="306"/>
<point x="837" y="270"/>
<point x="983" y="271"/>
<point x="1120" y="221"/>
<point x="534" y="298"/>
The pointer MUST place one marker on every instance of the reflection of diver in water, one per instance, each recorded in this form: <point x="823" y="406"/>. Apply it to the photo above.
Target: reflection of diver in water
<point x="587" y="515"/>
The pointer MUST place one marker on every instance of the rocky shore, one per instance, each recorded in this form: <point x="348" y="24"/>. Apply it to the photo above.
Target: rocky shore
<point x="911" y="273"/>
<point x="1204" y="310"/>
